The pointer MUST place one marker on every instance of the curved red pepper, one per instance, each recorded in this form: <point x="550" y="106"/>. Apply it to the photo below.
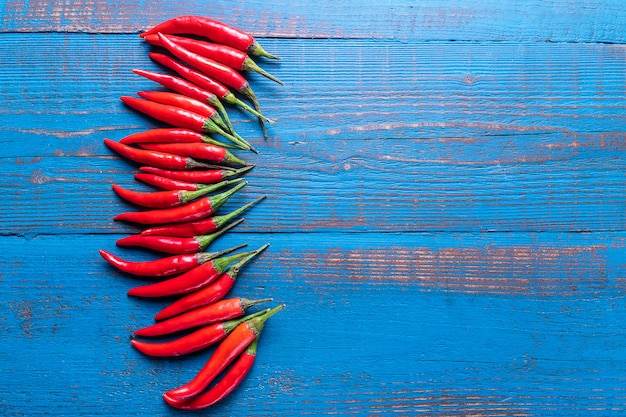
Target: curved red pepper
<point x="212" y="29"/>
<point x="166" y="199"/>
<point x="231" y="347"/>
<point x="193" y="342"/>
<point x="190" y="281"/>
<point x="165" y="266"/>
<point x="182" y="101"/>
<point x="208" y="294"/>
<point x="154" y="158"/>
<point x="203" y="151"/>
<point x="195" y="210"/>
<point x="165" y="183"/>
<point x="219" y="311"/>
<point x="172" y="135"/>
<point x="201" y="177"/>
<point x="231" y="380"/>
<point x="175" y="245"/>
<point x="224" y="54"/>
<point x="200" y="227"/>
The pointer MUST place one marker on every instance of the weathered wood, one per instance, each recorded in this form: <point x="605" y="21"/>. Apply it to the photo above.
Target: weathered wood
<point x="450" y="20"/>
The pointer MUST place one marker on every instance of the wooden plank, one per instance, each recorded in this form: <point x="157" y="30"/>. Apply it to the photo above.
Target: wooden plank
<point x="374" y="324"/>
<point x="450" y="20"/>
<point x="520" y="149"/>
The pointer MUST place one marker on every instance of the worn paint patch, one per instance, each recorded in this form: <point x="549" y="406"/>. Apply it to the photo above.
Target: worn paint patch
<point x="527" y="270"/>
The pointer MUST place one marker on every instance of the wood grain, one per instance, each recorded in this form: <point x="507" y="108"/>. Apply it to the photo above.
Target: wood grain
<point x="452" y="20"/>
<point x="445" y="209"/>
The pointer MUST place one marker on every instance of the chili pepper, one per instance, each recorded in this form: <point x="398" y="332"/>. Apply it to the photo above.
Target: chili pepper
<point x="184" y="102"/>
<point x="157" y="159"/>
<point x="203" y="151"/>
<point x="208" y="294"/>
<point x="165" y="183"/>
<point x="219" y="311"/>
<point x="175" y="245"/>
<point x="179" y="117"/>
<point x="201" y="177"/>
<point x="231" y="380"/>
<point x="200" y="227"/>
<point x="202" y="82"/>
<point x="214" y="69"/>
<point x="191" y="280"/>
<point x="225" y="54"/>
<point x="166" y="199"/>
<point x="188" y="89"/>
<point x="212" y="29"/>
<point x="233" y="345"/>
<point x="195" y="341"/>
<point x="165" y="266"/>
<point x="172" y="135"/>
<point x="195" y="210"/>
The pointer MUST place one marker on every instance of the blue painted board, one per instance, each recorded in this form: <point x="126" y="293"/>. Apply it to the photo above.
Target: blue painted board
<point x="445" y="210"/>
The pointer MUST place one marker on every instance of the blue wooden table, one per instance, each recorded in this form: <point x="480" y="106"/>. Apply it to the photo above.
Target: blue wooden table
<point x="446" y="209"/>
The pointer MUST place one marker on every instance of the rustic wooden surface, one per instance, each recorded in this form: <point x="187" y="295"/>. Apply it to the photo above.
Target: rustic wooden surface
<point x="446" y="209"/>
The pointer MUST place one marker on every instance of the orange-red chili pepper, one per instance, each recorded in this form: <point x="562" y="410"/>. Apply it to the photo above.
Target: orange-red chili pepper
<point x="212" y="68"/>
<point x="165" y="267"/>
<point x="197" y="176"/>
<point x="195" y="210"/>
<point x="192" y="280"/>
<point x="165" y="183"/>
<point x="212" y="29"/>
<point x="156" y="159"/>
<point x="200" y="227"/>
<point x="175" y="245"/>
<point x="184" y="102"/>
<point x="180" y="117"/>
<point x="229" y="349"/>
<point x="172" y="135"/>
<point x="219" y="311"/>
<point x="231" y="380"/>
<point x="166" y="199"/>
<point x="193" y="342"/>
<point x="201" y="151"/>
<point x="225" y="54"/>
<point x="199" y="81"/>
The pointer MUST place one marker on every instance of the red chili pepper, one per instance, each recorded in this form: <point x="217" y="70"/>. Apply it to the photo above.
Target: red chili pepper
<point x="191" y="280"/>
<point x="179" y="117"/>
<point x="219" y="311"/>
<point x="212" y="29"/>
<point x="201" y="177"/>
<point x="231" y="347"/>
<point x="184" y="102"/>
<point x="214" y="69"/>
<point x="172" y="135"/>
<point x="231" y="380"/>
<point x="165" y="266"/>
<point x="199" y="227"/>
<point x="156" y="159"/>
<point x="175" y="245"/>
<point x="188" y="89"/>
<point x="166" y="199"/>
<point x="165" y="183"/>
<point x="203" y="151"/>
<point x="195" y="210"/>
<point x="208" y="294"/>
<point x="193" y="342"/>
<point x="202" y="82"/>
<point x="225" y="54"/>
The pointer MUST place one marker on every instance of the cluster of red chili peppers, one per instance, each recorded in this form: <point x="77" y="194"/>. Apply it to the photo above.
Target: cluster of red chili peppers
<point x="190" y="169"/>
